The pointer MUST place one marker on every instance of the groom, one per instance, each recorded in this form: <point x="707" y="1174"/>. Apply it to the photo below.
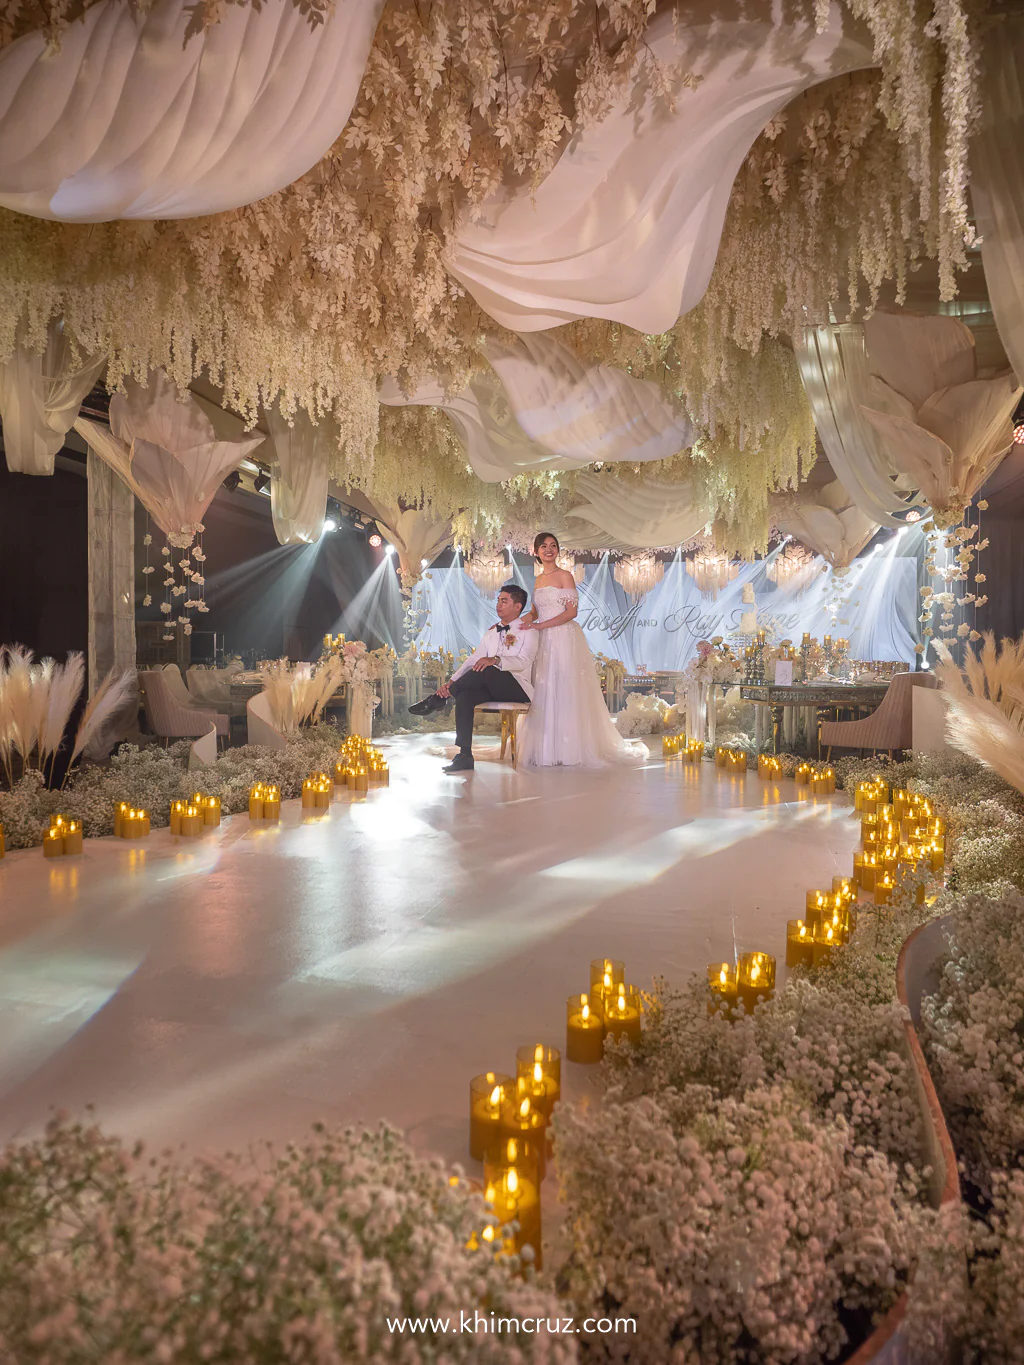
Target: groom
<point x="499" y="669"/>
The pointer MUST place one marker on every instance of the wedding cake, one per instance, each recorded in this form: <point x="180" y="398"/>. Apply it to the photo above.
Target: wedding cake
<point x="748" y="621"/>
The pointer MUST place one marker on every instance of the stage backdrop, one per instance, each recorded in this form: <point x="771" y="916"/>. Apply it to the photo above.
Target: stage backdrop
<point x="877" y="608"/>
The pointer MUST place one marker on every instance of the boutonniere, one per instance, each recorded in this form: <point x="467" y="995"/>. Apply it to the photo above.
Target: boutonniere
<point x="510" y="640"/>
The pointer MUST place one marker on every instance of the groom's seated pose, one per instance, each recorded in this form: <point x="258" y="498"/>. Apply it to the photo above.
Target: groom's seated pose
<point x="499" y="669"/>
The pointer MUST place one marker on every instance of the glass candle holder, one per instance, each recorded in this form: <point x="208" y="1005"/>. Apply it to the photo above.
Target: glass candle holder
<point x="211" y="811"/>
<point x="53" y="842"/>
<point x="362" y="779"/>
<point x="606" y="975"/>
<point x="271" y="803"/>
<point x="825" y="941"/>
<point x="823" y="781"/>
<point x="120" y="810"/>
<point x="817" y="904"/>
<point x="799" y="944"/>
<point x="935" y="852"/>
<point x="623" y="1014"/>
<point x="768" y="766"/>
<point x="539" y="1075"/>
<point x="256" y="801"/>
<point x="512" y="1179"/>
<point x="134" y="824"/>
<point x="723" y="986"/>
<point x="523" y="1120"/>
<point x="487" y="1093"/>
<point x="584" y="1030"/>
<point x="721" y="756"/>
<point x="72" y="837"/>
<point x="755" y="978"/>
<point x="843" y="887"/>
<point x="802" y="776"/>
<point x="737" y="760"/>
<point x="177" y="811"/>
<point x="191" y="822"/>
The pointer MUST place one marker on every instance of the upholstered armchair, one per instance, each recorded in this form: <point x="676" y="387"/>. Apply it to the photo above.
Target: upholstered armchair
<point x="172" y="712"/>
<point x="211" y="687"/>
<point x="889" y="727"/>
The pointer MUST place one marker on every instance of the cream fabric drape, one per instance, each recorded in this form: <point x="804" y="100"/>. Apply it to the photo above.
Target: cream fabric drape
<point x="626" y="226"/>
<point x="833" y="367"/>
<point x="997" y="181"/>
<point x="40" y="394"/>
<point x="615" y="515"/>
<point x="127" y="120"/>
<point x="167" y="453"/>
<point x="540" y="407"/>
<point x="298" y="483"/>
<point x="825" y="520"/>
<point x="415" y="534"/>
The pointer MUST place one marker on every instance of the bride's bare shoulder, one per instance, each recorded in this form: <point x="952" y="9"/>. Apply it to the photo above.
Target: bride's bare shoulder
<point x="564" y="579"/>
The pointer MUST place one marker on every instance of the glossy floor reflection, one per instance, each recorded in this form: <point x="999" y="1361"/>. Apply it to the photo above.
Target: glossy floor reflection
<point x="365" y="964"/>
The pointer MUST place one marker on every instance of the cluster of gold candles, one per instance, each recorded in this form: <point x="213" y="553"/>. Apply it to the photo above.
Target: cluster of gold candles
<point x="610" y="1009"/>
<point x="317" y="790"/>
<point x="360" y="766"/>
<point x="678" y="746"/>
<point x="732" y="760"/>
<point x="769" y="766"/>
<point x="63" y="838"/>
<point x="264" y="801"/>
<point x="509" y="1117"/>
<point x="130" y="822"/>
<point x="899" y="830"/>
<point x="333" y="644"/>
<point x="190" y="818"/>
<point x="820" y="780"/>
<point x="828" y="921"/>
<point x="750" y="979"/>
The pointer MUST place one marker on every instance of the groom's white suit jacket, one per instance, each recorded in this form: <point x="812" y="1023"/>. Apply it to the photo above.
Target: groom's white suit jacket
<point x="515" y="650"/>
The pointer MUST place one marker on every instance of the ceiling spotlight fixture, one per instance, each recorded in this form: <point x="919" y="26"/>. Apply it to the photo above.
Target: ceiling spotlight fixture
<point x="389" y="549"/>
<point x="330" y="524"/>
<point x="424" y="563"/>
<point x="1018" y="434"/>
<point x="377" y="540"/>
<point x="232" y="481"/>
<point x="261" y="483"/>
<point x="914" y="516"/>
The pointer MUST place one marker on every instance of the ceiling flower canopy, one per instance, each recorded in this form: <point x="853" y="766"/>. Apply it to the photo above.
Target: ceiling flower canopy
<point x="826" y="521"/>
<point x="654" y="153"/>
<point x="711" y="571"/>
<point x="638" y="574"/>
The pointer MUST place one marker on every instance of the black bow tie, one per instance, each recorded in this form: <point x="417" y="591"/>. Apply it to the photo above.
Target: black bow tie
<point x="501" y="629"/>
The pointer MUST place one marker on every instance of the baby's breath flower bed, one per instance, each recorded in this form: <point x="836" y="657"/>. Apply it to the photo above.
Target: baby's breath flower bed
<point x="152" y="778"/>
<point x="754" y="1190"/>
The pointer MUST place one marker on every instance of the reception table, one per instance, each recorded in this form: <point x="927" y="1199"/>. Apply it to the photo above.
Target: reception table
<point x="780" y="707"/>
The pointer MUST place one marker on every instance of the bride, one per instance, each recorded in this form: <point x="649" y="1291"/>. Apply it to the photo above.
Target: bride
<point x="568" y="722"/>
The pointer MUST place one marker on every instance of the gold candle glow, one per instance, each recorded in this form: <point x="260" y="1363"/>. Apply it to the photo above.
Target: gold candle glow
<point x="622" y="1015"/>
<point x="191" y="822"/>
<point x="799" y="944"/>
<point x="512" y="1187"/>
<point x="486" y="1095"/>
<point x="802" y="775"/>
<point x="256" y="802"/>
<point x="177" y="811"/>
<point x="522" y="1120"/>
<point x="134" y="824"/>
<point x="584" y="1030"/>
<point x="755" y="977"/>
<point x="722" y="985"/>
<point x="539" y="1075"/>
<point x="211" y="811"/>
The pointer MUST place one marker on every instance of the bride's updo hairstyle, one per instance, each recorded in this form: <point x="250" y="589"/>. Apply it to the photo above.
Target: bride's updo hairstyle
<point x="539" y="540"/>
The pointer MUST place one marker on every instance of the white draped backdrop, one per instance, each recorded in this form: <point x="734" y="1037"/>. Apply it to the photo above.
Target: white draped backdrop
<point x="661" y="630"/>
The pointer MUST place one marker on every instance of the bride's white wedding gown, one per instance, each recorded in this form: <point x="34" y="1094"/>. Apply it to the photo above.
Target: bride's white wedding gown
<point x="568" y="722"/>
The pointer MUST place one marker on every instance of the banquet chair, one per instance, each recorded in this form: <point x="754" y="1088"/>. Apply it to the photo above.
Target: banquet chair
<point x="172" y="712"/>
<point x="889" y="727"/>
<point x="510" y="712"/>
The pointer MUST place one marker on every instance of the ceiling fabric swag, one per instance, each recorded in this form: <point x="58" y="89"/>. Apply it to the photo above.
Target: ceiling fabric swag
<point x="40" y="395"/>
<point x="943" y="427"/>
<point x="833" y="368"/>
<point x="585" y="413"/>
<point x="298" y="476"/>
<point x="126" y="119"/>
<point x="647" y="516"/>
<point x="825" y="520"/>
<point x="167" y="452"/>
<point x="626" y="226"/>
<point x="416" y="534"/>
<point x="997" y="181"/>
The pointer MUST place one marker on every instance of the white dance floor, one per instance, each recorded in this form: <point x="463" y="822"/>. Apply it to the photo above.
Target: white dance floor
<point x="365" y="964"/>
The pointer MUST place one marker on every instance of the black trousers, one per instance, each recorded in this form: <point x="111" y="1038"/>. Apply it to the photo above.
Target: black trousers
<point x="490" y="684"/>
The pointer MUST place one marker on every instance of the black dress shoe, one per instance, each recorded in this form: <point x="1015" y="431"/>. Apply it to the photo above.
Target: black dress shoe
<point x="427" y="707"/>
<point x="461" y="763"/>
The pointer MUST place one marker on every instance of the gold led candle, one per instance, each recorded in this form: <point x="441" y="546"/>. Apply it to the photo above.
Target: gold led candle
<point x="256" y="802"/>
<point x="799" y="944"/>
<point x="584" y="1030"/>
<point x="723" y="985"/>
<point x="191" y="822"/>
<point x="823" y="781"/>
<point x="768" y="767"/>
<point x="884" y="887"/>
<point x="211" y="811"/>
<point x="607" y="974"/>
<point x="486" y="1095"/>
<point x="539" y="1075"/>
<point x="721" y="757"/>
<point x="53" y="842"/>
<point x="843" y="887"/>
<point x="134" y="824"/>
<point x="272" y="802"/>
<point x="824" y="942"/>
<point x="526" y="1122"/>
<point x="755" y="977"/>
<point x="622" y="1015"/>
<point x="865" y="870"/>
<point x="802" y="775"/>
<point x="177" y="811"/>
<point x="512" y="1177"/>
<point x="737" y="761"/>
<point x="120" y="810"/>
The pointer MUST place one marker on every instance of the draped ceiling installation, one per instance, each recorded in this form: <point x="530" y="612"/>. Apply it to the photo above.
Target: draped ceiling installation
<point x="660" y="629"/>
<point x="361" y="224"/>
